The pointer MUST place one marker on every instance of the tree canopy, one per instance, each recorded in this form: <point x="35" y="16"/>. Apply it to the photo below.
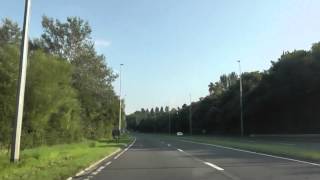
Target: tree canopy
<point x="69" y="93"/>
<point x="283" y="99"/>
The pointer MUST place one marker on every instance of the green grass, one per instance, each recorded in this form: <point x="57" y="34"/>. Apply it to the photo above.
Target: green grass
<point x="298" y="152"/>
<point x="58" y="161"/>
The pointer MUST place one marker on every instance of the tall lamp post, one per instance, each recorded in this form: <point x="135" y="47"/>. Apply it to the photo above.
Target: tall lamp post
<point x="241" y="100"/>
<point x="190" y="116"/>
<point x="169" y="121"/>
<point x="120" y="99"/>
<point x="16" y="136"/>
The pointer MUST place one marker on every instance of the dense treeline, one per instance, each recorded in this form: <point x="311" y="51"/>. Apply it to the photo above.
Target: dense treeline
<point x="69" y="93"/>
<point x="283" y="99"/>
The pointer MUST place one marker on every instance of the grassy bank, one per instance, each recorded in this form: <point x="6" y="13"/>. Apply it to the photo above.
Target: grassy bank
<point x="58" y="161"/>
<point x="298" y="151"/>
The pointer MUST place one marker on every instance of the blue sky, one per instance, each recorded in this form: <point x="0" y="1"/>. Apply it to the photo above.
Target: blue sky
<point x="173" y="48"/>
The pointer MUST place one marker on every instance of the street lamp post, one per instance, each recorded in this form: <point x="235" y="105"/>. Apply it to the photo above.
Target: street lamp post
<point x="241" y="100"/>
<point x="120" y="99"/>
<point x="190" y="117"/>
<point x="15" y="145"/>
<point x="169" y="122"/>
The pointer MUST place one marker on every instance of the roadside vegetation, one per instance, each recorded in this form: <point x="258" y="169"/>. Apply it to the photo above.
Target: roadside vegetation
<point x="58" y="161"/>
<point x="281" y="100"/>
<point x="70" y="102"/>
<point x="69" y="94"/>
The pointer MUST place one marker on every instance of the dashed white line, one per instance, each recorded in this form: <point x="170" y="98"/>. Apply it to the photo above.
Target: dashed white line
<point x="126" y="149"/>
<point x="94" y="164"/>
<point x="252" y="152"/>
<point x="118" y="155"/>
<point x="100" y="168"/>
<point x="95" y="173"/>
<point x="207" y="163"/>
<point x="214" y="166"/>
<point x="169" y="145"/>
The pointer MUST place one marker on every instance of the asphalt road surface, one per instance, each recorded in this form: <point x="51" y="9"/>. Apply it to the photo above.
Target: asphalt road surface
<point x="160" y="158"/>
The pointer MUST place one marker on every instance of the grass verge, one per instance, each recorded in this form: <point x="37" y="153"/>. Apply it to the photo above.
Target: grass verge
<point x="58" y="161"/>
<point x="298" y="152"/>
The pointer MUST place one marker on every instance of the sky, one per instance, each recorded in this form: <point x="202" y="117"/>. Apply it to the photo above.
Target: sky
<point x="172" y="49"/>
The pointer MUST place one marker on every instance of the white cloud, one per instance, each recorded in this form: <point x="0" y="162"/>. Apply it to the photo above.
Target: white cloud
<point x="102" y="43"/>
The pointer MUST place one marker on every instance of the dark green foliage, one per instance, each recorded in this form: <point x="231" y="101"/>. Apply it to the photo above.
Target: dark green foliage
<point x="69" y="94"/>
<point x="51" y="105"/>
<point x="91" y="77"/>
<point x="284" y="99"/>
<point x="9" y="32"/>
<point x="9" y="57"/>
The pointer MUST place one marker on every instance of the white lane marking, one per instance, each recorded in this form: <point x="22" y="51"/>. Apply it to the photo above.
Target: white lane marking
<point x="126" y="149"/>
<point x="214" y="166"/>
<point x="252" y="152"/>
<point x="96" y="163"/>
<point x="207" y="163"/>
<point x="118" y="155"/>
<point x="100" y="168"/>
<point x="169" y="145"/>
<point x="95" y="173"/>
<point x="108" y="163"/>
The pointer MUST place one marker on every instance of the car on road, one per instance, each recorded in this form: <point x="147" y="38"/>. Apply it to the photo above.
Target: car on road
<point x="179" y="133"/>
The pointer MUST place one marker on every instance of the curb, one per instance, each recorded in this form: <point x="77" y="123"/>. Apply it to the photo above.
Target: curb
<point x="93" y="165"/>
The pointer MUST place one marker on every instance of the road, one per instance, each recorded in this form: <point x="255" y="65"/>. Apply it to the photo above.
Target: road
<point x="161" y="158"/>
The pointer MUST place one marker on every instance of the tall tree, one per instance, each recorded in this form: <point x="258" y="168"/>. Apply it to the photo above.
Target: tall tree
<point x="10" y="32"/>
<point x="92" y="77"/>
<point x="66" y="39"/>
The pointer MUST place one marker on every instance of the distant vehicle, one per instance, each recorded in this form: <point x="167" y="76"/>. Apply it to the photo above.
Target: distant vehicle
<point x="179" y="133"/>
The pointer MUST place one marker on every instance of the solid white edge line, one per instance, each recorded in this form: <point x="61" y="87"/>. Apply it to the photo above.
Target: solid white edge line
<point x="252" y="152"/>
<point x="100" y="168"/>
<point x="118" y="155"/>
<point x="126" y="149"/>
<point x="98" y="162"/>
<point x="214" y="166"/>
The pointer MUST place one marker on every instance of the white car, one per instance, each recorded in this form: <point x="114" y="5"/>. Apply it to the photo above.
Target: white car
<point x="179" y="133"/>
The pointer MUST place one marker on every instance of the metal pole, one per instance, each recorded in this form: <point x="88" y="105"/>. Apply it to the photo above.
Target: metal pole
<point x="169" y="122"/>
<point x="241" y="100"/>
<point x="190" y="117"/>
<point x="120" y="100"/>
<point x="16" y="137"/>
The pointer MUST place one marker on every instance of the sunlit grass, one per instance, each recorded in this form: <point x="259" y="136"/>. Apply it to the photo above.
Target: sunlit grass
<point x="58" y="161"/>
